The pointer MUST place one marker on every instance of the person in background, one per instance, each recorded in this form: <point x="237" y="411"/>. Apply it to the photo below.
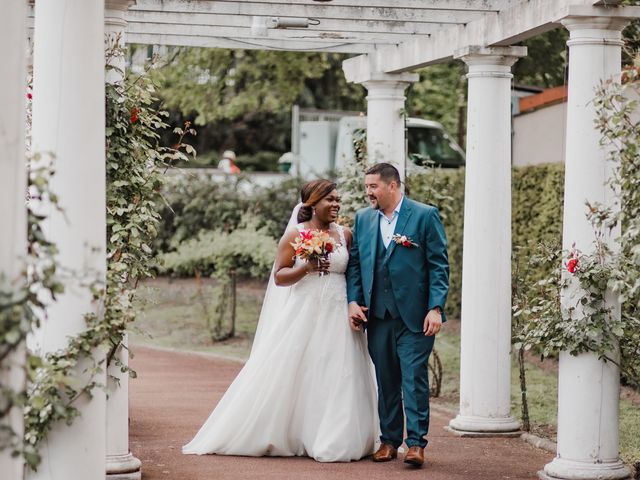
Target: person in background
<point x="228" y="162"/>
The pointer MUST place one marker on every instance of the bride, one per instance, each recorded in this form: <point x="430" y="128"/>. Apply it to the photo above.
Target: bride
<point x="308" y="386"/>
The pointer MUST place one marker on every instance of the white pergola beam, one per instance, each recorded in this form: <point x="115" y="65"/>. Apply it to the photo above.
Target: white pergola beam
<point x="160" y="29"/>
<point x="508" y="26"/>
<point x="341" y="26"/>
<point x="434" y="11"/>
<point x="473" y="5"/>
<point x="348" y="26"/>
<point x="247" y="44"/>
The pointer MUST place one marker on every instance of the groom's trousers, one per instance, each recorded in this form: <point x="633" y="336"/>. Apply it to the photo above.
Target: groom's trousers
<point x="401" y="358"/>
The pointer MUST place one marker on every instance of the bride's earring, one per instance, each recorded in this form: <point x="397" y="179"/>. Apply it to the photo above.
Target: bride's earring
<point x="313" y="211"/>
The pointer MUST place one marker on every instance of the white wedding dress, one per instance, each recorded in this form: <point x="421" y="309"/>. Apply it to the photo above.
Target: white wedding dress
<point x="308" y="387"/>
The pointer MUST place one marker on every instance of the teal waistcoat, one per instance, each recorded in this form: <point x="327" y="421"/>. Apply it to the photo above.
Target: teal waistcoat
<point x="382" y="300"/>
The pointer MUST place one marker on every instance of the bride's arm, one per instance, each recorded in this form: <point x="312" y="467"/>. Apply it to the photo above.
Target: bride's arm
<point x="286" y="273"/>
<point x="348" y="236"/>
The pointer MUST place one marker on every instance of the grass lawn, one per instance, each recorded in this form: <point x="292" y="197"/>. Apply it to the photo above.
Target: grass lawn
<point x="171" y="315"/>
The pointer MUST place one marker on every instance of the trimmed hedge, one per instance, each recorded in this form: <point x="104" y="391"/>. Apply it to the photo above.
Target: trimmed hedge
<point x="199" y="205"/>
<point x="537" y="195"/>
<point x="445" y="190"/>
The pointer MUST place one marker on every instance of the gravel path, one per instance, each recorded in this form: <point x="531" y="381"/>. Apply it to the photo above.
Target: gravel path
<point x="175" y="392"/>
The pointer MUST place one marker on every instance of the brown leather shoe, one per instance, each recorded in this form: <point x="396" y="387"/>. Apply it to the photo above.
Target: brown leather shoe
<point x="385" y="453"/>
<point x="415" y="456"/>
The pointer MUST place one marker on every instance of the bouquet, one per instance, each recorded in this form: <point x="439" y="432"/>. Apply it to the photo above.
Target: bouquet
<point x="312" y="245"/>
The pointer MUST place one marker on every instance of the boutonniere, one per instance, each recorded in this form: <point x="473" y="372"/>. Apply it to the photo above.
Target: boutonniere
<point x="404" y="241"/>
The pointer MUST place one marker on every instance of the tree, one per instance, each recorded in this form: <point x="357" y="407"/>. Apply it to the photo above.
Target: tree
<point x="546" y="60"/>
<point x="216" y="84"/>
<point x="440" y="95"/>
<point x="331" y="90"/>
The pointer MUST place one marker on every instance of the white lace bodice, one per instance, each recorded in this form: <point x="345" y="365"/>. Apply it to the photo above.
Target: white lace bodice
<point x="333" y="285"/>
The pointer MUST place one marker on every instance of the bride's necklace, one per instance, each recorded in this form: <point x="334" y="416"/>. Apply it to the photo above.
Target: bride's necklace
<point x="321" y="229"/>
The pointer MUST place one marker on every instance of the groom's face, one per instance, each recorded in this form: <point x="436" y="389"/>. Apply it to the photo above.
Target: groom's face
<point x="379" y="192"/>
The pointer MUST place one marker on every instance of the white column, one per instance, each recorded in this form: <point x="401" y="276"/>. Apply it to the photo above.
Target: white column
<point x="121" y="464"/>
<point x="13" y="214"/>
<point x="588" y="389"/>
<point x="485" y="361"/>
<point x="385" y="118"/>
<point x="69" y="122"/>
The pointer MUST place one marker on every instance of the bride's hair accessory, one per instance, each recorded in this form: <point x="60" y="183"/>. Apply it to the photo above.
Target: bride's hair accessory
<point x="310" y="194"/>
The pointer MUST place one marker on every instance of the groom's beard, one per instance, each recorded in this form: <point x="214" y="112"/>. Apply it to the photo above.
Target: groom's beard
<point x="374" y="203"/>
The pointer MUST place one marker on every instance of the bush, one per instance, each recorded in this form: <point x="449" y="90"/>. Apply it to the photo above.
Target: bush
<point x="195" y="204"/>
<point x="273" y="205"/>
<point x="247" y="251"/>
<point x="259" y="162"/>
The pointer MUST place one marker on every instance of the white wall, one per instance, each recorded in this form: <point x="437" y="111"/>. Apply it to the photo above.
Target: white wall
<point x="539" y="135"/>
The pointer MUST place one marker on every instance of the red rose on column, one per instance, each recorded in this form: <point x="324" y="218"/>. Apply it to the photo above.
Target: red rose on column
<point x="572" y="265"/>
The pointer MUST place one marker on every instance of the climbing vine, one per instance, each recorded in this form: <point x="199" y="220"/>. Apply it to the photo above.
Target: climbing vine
<point x="21" y="310"/>
<point x="610" y="271"/>
<point x="135" y="165"/>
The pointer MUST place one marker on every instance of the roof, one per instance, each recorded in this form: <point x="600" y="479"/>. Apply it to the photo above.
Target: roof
<point x="549" y="97"/>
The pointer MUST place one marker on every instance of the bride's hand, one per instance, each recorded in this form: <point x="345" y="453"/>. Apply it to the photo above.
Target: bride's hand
<point x="320" y="266"/>
<point x="357" y="317"/>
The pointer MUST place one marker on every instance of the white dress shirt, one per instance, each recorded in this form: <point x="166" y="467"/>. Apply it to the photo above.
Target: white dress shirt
<point x="388" y="227"/>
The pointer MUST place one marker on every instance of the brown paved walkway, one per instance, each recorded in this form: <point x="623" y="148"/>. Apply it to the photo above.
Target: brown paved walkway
<point x="175" y="392"/>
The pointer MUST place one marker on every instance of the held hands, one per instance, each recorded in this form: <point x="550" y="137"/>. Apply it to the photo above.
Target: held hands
<point x="357" y="317"/>
<point x="432" y="322"/>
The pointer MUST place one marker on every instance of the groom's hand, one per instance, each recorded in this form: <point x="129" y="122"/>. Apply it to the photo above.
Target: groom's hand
<point x="357" y="317"/>
<point x="432" y="322"/>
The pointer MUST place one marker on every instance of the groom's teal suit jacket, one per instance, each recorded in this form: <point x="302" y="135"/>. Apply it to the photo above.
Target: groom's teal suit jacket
<point x="419" y="275"/>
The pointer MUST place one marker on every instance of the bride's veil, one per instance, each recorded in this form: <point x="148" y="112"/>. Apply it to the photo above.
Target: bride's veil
<point x="274" y="298"/>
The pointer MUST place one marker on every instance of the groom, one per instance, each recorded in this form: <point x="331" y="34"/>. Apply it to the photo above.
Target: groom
<point x="397" y="284"/>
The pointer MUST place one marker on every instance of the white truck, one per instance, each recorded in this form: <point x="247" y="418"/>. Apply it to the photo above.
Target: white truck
<point x="322" y="141"/>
